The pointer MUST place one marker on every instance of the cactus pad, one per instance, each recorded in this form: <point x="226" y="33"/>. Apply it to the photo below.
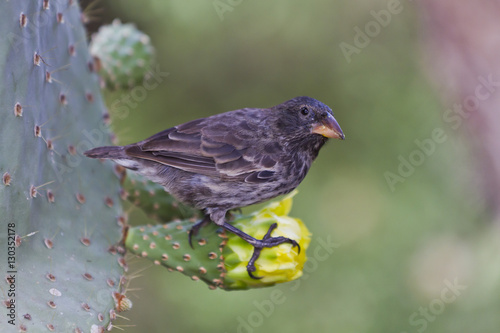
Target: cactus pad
<point x="61" y="206"/>
<point x="168" y="245"/>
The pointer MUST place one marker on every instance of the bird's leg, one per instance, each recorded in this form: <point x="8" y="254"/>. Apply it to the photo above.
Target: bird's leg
<point x="196" y="228"/>
<point x="259" y="244"/>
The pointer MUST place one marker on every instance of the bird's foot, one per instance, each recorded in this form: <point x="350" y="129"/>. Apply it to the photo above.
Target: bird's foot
<point x="259" y="244"/>
<point x="196" y="228"/>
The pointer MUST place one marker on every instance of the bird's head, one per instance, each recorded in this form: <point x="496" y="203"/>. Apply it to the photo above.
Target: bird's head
<point x="306" y="117"/>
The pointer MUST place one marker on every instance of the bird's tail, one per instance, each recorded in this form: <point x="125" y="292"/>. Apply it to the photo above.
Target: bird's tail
<point x="112" y="152"/>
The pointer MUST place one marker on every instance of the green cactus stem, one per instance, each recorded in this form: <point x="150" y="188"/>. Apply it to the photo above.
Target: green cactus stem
<point x="167" y="244"/>
<point x="60" y="207"/>
<point x="218" y="258"/>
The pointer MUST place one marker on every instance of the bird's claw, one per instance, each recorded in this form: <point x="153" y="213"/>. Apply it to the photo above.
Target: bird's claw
<point x="266" y="241"/>
<point x="258" y="244"/>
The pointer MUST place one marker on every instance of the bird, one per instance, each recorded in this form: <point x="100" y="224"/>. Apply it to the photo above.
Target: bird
<point x="233" y="159"/>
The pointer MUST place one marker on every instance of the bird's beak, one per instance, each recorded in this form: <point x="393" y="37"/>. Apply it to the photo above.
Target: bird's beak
<point x="329" y="127"/>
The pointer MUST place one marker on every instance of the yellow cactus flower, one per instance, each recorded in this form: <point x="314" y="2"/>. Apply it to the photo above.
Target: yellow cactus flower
<point x="278" y="264"/>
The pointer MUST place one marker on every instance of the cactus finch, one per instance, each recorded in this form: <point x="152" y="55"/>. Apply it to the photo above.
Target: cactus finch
<point x="233" y="159"/>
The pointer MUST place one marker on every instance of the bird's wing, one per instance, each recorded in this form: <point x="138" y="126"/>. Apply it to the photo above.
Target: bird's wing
<point x="231" y="146"/>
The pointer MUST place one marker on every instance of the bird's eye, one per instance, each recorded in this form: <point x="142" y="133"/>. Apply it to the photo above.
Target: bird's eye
<point x="304" y="111"/>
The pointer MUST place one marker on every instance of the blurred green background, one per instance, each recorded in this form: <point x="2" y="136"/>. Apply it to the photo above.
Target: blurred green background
<point x="414" y="256"/>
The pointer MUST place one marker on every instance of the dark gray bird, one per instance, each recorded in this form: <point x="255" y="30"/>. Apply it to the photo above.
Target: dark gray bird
<point x="233" y="159"/>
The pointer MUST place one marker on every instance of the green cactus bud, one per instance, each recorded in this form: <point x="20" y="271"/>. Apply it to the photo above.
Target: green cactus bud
<point x="124" y="54"/>
<point x="220" y="258"/>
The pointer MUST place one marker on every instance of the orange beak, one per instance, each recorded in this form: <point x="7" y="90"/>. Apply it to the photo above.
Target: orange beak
<point x="329" y="127"/>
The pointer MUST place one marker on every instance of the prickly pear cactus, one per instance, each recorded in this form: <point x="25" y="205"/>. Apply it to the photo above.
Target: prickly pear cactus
<point x="63" y="234"/>
<point x="218" y="258"/>
<point x="124" y="54"/>
<point x="61" y="269"/>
